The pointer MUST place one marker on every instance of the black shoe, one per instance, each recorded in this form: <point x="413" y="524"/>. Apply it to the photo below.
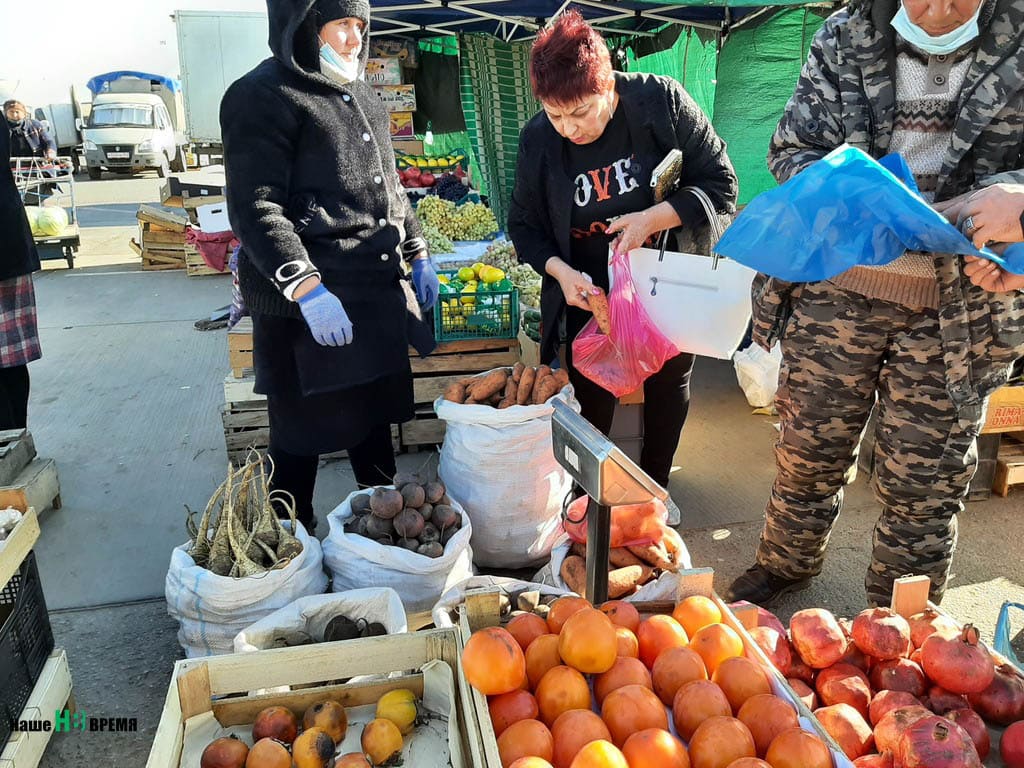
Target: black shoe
<point x="760" y="586"/>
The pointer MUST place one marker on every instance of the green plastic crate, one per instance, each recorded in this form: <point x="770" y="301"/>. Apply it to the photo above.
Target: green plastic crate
<point x="483" y="315"/>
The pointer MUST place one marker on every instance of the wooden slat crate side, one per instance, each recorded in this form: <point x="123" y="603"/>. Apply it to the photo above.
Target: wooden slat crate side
<point x="162" y="237"/>
<point x="196" y="267"/>
<point x="427" y="390"/>
<point x="423" y="432"/>
<point x="149" y="214"/>
<point x="464" y="362"/>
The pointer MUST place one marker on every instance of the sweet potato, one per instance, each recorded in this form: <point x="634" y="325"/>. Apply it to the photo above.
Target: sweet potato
<point x="455" y="393"/>
<point x="654" y="555"/>
<point x="511" y="389"/>
<point x="486" y="386"/>
<point x="673" y="544"/>
<point x="495" y="399"/>
<point x="620" y="557"/>
<point x="525" y="391"/>
<point x="505" y="403"/>
<point x="544" y="388"/>
<point x="561" y="377"/>
<point x="579" y="549"/>
<point x="624" y="581"/>
<point x="542" y="371"/>
<point x="517" y="372"/>
<point x="598" y="304"/>
<point x="574" y="574"/>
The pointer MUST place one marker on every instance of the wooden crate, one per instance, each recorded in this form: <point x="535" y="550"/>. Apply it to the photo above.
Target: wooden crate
<point x="161" y="243"/>
<point x="240" y="348"/>
<point x="231" y="686"/>
<point x="196" y="267"/>
<point x="1009" y="464"/>
<point x="1005" y="410"/>
<point x="18" y="544"/>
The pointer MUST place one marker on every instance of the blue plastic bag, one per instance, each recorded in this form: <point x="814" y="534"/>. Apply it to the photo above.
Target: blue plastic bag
<point x="846" y="210"/>
<point x="1004" y="630"/>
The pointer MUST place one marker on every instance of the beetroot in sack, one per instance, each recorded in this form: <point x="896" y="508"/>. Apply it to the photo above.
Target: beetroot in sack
<point x="633" y="350"/>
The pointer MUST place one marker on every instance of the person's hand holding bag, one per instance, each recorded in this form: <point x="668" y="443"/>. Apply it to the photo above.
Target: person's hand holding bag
<point x="425" y="279"/>
<point x="326" y="317"/>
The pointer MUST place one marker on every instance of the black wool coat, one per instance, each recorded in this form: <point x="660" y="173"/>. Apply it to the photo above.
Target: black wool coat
<point x="18" y="255"/>
<point x="661" y="117"/>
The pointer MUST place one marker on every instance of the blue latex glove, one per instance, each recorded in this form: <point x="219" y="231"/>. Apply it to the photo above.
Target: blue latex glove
<point x="326" y="318"/>
<point x="425" y="279"/>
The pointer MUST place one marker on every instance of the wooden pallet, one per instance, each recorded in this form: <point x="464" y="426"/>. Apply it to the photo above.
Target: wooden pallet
<point x="196" y="267"/>
<point x="1010" y="464"/>
<point x="240" y="348"/>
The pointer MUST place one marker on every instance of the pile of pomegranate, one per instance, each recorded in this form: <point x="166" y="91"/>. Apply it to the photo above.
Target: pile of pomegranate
<point x="895" y="693"/>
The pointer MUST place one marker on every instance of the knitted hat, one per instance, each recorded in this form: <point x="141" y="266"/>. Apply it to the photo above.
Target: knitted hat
<point x="332" y="10"/>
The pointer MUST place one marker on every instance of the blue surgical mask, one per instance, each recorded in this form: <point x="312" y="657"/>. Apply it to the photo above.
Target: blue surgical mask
<point x="336" y="67"/>
<point x="941" y="44"/>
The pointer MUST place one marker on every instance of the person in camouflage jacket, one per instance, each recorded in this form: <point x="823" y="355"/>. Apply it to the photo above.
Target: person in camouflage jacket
<point x="931" y="366"/>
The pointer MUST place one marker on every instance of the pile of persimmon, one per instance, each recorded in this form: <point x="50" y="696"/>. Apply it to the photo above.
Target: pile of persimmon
<point x="604" y="688"/>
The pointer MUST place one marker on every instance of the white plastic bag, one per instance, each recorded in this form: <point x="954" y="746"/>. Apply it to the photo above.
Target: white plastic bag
<point x="356" y="562"/>
<point x="500" y="465"/>
<point x="456" y="596"/>
<point x="758" y="374"/>
<point x="307" y="618"/>
<point x="212" y="609"/>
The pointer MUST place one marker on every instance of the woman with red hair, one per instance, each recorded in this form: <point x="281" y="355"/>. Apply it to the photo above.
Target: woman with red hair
<point x="587" y="159"/>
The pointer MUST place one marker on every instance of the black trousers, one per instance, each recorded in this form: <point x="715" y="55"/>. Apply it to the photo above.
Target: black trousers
<point x="14" y="388"/>
<point x="373" y="463"/>
<point x="666" y="403"/>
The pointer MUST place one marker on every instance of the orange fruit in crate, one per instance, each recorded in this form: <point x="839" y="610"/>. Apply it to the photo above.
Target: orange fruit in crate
<point x="696" y="612"/>
<point x="527" y="627"/>
<point x="572" y="731"/>
<point x="588" y="643"/>
<point x="622" y="614"/>
<point x="561" y="689"/>
<point x="748" y="762"/>
<point x="720" y="740"/>
<point x="599" y="754"/>
<point x="694" y="703"/>
<point x="625" y="671"/>
<point x="796" y="748"/>
<point x="675" y="668"/>
<point x="541" y="656"/>
<point x="657" y="634"/>
<point x="531" y="762"/>
<point x="562" y="609"/>
<point x="655" y="748"/>
<point x="628" y="644"/>
<point x="493" y="662"/>
<point x="630" y="709"/>
<point x="508" y="708"/>
<point x="716" y="643"/>
<point x="527" y="738"/>
<point x="740" y="678"/>
<point x="766" y="715"/>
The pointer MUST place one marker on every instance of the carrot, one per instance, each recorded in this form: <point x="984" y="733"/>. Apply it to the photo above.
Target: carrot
<point x="598" y="304"/>
<point x="624" y="581"/>
<point x="574" y="574"/>
<point x="455" y="393"/>
<point x="525" y="390"/>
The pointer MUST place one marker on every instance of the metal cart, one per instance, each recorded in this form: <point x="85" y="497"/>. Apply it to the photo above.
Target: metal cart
<point x="45" y="183"/>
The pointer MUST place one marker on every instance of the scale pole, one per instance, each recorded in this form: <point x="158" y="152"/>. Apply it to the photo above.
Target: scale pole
<point x="599" y="534"/>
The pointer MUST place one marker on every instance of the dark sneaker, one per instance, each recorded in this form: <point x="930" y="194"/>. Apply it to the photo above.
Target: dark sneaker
<point x="760" y="586"/>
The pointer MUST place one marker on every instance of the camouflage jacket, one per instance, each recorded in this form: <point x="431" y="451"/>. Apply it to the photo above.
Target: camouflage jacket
<point x="846" y="94"/>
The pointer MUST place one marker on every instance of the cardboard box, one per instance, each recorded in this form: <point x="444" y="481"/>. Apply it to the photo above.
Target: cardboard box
<point x="1006" y="410"/>
<point x="398" y="98"/>
<point x="401" y="125"/>
<point x="409" y="146"/>
<point x="208" y="182"/>
<point x="383" y="71"/>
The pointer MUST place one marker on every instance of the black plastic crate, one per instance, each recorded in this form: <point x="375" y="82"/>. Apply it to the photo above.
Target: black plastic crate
<point x="26" y="641"/>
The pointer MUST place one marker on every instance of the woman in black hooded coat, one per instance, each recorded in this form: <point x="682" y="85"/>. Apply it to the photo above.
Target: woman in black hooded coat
<point x="328" y="238"/>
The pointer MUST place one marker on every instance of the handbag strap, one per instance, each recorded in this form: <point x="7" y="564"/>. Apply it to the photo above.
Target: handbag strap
<point x="713" y="220"/>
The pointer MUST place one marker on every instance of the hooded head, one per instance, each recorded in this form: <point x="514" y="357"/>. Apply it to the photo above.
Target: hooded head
<point x="15" y="112"/>
<point x="295" y="27"/>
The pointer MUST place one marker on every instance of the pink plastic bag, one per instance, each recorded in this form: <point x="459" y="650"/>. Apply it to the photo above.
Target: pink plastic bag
<point x="633" y="351"/>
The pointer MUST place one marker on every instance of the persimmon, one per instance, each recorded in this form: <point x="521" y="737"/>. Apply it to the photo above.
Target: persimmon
<point x="625" y="671"/>
<point x="622" y="614"/>
<point x="748" y="762"/>
<point x="493" y="662"/>
<point x="599" y="754"/>
<point x="694" y="703"/>
<point x="527" y="738"/>
<point x="740" y="678"/>
<point x="715" y="643"/>
<point x="766" y="715"/>
<point x="587" y="642"/>
<point x="562" y="609"/>
<point x="655" y="748"/>
<point x="508" y="708"/>
<point x="531" y="762"/>
<point x="675" y="668"/>
<point x="796" y="748"/>
<point x="719" y="741"/>
<point x="657" y="634"/>
<point x="630" y="709"/>
<point x="526" y="627"/>
<point x="696" y="612"/>
<point x="572" y="731"/>
<point x="628" y="644"/>
<point x="541" y="656"/>
<point x="561" y="689"/>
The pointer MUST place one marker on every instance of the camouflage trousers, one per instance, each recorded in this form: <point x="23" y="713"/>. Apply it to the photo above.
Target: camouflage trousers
<point x="842" y="352"/>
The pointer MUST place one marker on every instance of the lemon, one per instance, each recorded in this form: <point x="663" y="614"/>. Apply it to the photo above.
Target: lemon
<point x="442" y="279"/>
<point x="491" y="275"/>
<point x="400" y="708"/>
<point x="466" y="274"/>
<point x="478" y="266"/>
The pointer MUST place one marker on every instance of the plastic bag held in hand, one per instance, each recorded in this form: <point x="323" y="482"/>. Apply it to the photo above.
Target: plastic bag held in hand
<point x="633" y="351"/>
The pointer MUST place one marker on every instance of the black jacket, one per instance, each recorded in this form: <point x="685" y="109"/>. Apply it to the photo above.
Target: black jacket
<point x="311" y="183"/>
<point x="661" y="117"/>
<point x="18" y="254"/>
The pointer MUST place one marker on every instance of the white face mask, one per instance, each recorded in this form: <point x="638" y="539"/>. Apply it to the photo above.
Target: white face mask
<point x="335" y="67"/>
<point x="940" y="44"/>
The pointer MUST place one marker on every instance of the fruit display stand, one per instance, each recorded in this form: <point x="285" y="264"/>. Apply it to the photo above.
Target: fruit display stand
<point x="229" y="691"/>
<point x="481" y="609"/>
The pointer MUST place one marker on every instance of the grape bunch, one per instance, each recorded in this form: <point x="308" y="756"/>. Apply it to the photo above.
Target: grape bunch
<point x="502" y="254"/>
<point x="527" y="281"/>
<point x="440" y="214"/>
<point x="436" y="241"/>
<point x="449" y="187"/>
<point x="476" y="221"/>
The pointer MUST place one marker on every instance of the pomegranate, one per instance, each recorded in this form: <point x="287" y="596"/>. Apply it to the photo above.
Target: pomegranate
<point x="881" y="633"/>
<point x="960" y="663"/>
<point x="775" y="646"/>
<point x="971" y="722"/>
<point x="898" y="675"/>
<point x="804" y="692"/>
<point x="844" y="684"/>
<point x="936" y="742"/>
<point x="1011" y="747"/>
<point x="885" y="702"/>
<point x="848" y="728"/>
<point x="927" y="623"/>
<point x="940" y="701"/>
<point x="1002" y="701"/>
<point x="883" y="760"/>
<point x="817" y="637"/>
<point x="891" y="727"/>
<point x="799" y="669"/>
